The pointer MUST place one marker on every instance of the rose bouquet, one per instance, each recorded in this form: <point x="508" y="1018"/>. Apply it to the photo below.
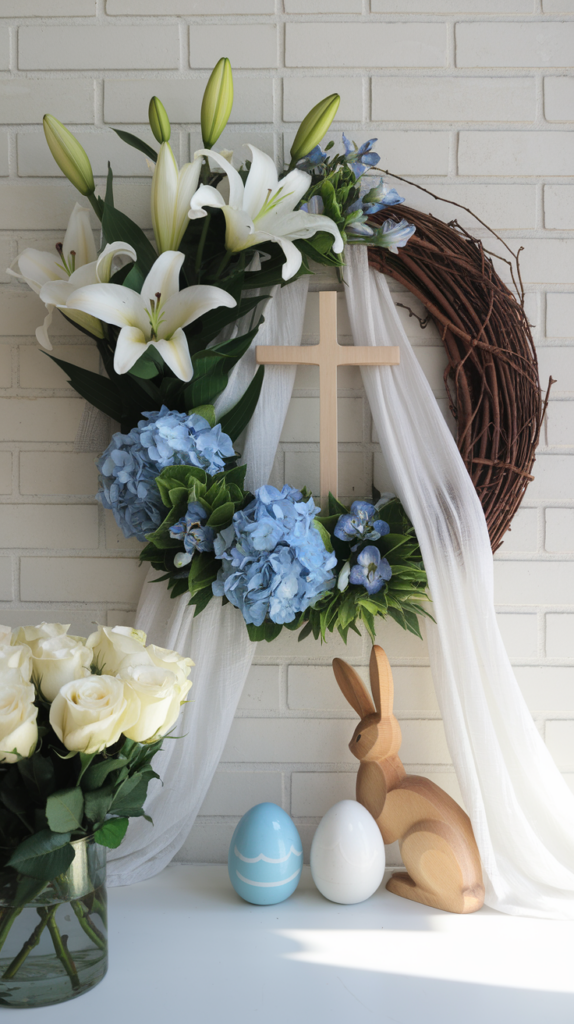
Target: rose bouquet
<point x="80" y="722"/>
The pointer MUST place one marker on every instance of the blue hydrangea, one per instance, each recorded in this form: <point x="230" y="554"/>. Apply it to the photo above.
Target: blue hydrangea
<point x="360" y="523"/>
<point x="275" y="563"/>
<point x="193" y="533"/>
<point x="372" y="571"/>
<point x="131" y="463"/>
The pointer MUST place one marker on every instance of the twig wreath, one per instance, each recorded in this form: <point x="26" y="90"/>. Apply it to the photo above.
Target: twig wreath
<point x="491" y="377"/>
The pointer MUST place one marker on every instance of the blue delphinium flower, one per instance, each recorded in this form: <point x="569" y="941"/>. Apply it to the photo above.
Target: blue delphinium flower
<point x="131" y="463"/>
<point x="360" y="523"/>
<point x="313" y="159"/>
<point x="371" y="571"/>
<point x="314" y="205"/>
<point x="275" y="563"/>
<point x="394" y="236"/>
<point x="191" y="530"/>
<point x="360" y="157"/>
<point x="379" y="196"/>
<point x="356" y="221"/>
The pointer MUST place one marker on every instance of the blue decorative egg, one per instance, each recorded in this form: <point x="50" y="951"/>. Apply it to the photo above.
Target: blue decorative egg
<point x="265" y="856"/>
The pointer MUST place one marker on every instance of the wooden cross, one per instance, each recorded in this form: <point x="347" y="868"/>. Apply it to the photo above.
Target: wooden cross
<point x="328" y="355"/>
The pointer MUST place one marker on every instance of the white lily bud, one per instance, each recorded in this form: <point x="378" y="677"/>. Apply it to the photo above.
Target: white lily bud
<point x="171" y="192"/>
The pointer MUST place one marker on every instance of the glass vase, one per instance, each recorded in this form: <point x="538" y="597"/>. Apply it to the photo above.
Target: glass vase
<point x="53" y="935"/>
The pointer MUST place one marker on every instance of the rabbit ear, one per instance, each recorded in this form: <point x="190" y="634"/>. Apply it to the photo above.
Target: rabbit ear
<point x="381" y="682"/>
<point x="353" y="688"/>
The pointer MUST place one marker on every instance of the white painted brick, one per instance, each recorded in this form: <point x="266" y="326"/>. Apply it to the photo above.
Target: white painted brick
<point x="190" y="7"/>
<point x="313" y="793"/>
<point x="500" y="206"/>
<point x="39" y="419"/>
<point x="5" y="579"/>
<point x="36" y="160"/>
<point x="115" y="540"/>
<point x="400" y="644"/>
<point x="82" y="621"/>
<point x="302" y="420"/>
<point x="559" y="98"/>
<point x="515" y="153"/>
<point x="302" y="469"/>
<point x="553" y="475"/>
<point x="559" y="364"/>
<point x="133" y="198"/>
<point x="313" y="687"/>
<point x="7" y="253"/>
<point x="127" y="100"/>
<point x="22" y="312"/>
<point x="560" y="315"/>
<point x="116" y="617"/>
<point x="320" y="741"/>
<point x="248" y="46"/>
<point x="527" y="583"/>
<point x="452" y="6"/>
<point x="55" y="9"/>
<point x="523" y="534"/>
<point x="287" y="646"/>
<point x="49" y="526"/>
<point x="38" y="371"/>
<point x="558" y="6"/>
<point x="350" y="44"/>
<point x="5" y="473"/>
<point x="433" y="362"/>
<point x="236" y="139"/>
<point x="300" y="94"/>
<point x="4" y="50"/>
<point x="546" y="688"/>
<point x="5" y="366"/>
<point x="559" y="206"/>
<point x="207" y="843"/>
<point x="323" y="7"/>
<point x="58" y="473"/>
<point x="514" y="44"/>
<point x="559" y="529"/>
<point x="454" y="99"/>
<point x="560" y="742"/>
<point x="520" y="636"/>
<point x="3" y="153"/>
<point x="560" y="638"/>
<point x="81" y="579"/>
<point x="26" y="100"/>
<point x="407" y="152"/>
<point x="548" y="259"/>
<point x="74" y="47"/>
<point x="26" y="206"/>
<point x="559" y="424"/>
<point x="236" y="792"/>
<point x="261" y="690"/>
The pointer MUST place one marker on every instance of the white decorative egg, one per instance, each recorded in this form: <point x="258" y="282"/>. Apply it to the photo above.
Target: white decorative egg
<point x="265" y="855"/>
<point x="347" y="854"/>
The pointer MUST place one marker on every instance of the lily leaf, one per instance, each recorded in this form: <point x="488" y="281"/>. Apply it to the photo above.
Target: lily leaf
<point x="132" y="140"/>
<point x="235" y="421"/>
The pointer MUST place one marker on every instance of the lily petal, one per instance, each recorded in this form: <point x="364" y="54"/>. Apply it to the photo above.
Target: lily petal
<point x="240" y="229"/>
<point x="111" y="303"/>
<point x="206" y="195"/>
<point x="175" y="353"/>
<point x="42" y="332"/>
<point x="304" y="225"/>
<point x="164" y="196"/>
<point x="163" y="278"/>
<point x="187" y="184"/>
<point x="79" y="237"/>
<point x="191" y="303"/>
<point x="36" y="268"/>
<point x="262" y="181"/>
<point x="293" y="256"/>
<point x="130" y="346"/>
<point x="56" y="293"/>
<point x="106" y="258"/>
<point x="236" y="188"/>
<point x="293" y="187"/>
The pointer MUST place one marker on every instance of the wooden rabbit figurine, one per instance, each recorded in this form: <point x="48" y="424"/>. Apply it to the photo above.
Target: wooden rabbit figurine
<point x="435" y="835"/>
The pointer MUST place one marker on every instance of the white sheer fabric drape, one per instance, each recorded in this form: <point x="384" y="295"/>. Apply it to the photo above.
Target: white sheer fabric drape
<point x="217" y="639"/>
<point x="522" y="810"/>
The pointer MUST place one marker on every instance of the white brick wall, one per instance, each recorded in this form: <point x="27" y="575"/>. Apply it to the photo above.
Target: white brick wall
<point x="473" y="98"/>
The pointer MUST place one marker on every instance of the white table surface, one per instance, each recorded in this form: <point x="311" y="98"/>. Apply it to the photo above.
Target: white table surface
<point x="184" y="947"/>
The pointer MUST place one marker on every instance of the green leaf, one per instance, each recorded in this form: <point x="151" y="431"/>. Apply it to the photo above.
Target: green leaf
<point x="97" y="774"/>
<point x="97" y="390"/>
<point x="130" y="798"/>
<point x="119" y="228"/>
<point x="45" y="855"/>
<point x="335" y="506"/>
<point x="235" y="421"/>
<point x="266" y="631"/>
<point x="86" y="759"/>
<point x="221" y="516"/>
<point x="111" y="833"/>
<point x="132" y="140"/>
<point x="38" y="775"/>
<point x="110" y="186"/>
<point x="98" y="802"/>
<point x="307" y="629"/>
<point x="325" y="535"/>
<point x="207" y="411"/>
<point x="149" y="364"/>
<point x="134" y="278"/>
<point x="65" y="809"/>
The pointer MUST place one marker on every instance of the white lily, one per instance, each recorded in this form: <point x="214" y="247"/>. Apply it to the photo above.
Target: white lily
<point x="37" y="268"/>
<point x="171" y="191"/>
<point x="263" y="210"/>
<point x="155" y="317"/>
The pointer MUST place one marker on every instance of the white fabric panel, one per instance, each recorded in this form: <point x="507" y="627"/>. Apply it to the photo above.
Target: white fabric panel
<point x="521" y="808"/>
<point x="217" y="639"/>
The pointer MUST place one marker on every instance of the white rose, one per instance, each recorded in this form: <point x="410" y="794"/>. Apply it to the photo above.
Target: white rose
<point x="57" y="660"/>
<point x="91" y="714"/>
<point x="5" y="634"/>
<point x="19" y="657"/>
<point x="18" y="713"/>
<point x="118" y="648"/>
<point x="158" y="694"/>
<point x="25" y="634"/>
<point x="173" y="662"/>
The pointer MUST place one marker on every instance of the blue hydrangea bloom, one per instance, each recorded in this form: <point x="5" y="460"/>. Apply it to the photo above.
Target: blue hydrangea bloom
<point x="275" y="564"/>
<point x="360" y="157"/>
<point x="193" y="533"/>
<point x="371" y="571"/>
<point x="131" y="463"/>
<point x="360" y="523"/>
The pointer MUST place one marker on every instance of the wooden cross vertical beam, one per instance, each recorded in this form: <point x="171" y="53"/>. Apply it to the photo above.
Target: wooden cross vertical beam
<point x="328" y="355"/>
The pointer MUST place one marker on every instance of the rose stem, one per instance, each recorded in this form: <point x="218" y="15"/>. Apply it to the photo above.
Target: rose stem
<point x="63" y="953"/>
<point x="8" y="922"/>
<point x="30" y="943"/>
<point x="99" y="907"/>
<point x="88" y="925"/>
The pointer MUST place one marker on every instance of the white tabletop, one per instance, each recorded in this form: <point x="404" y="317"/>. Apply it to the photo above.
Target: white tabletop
<point x="184" y="947"/>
